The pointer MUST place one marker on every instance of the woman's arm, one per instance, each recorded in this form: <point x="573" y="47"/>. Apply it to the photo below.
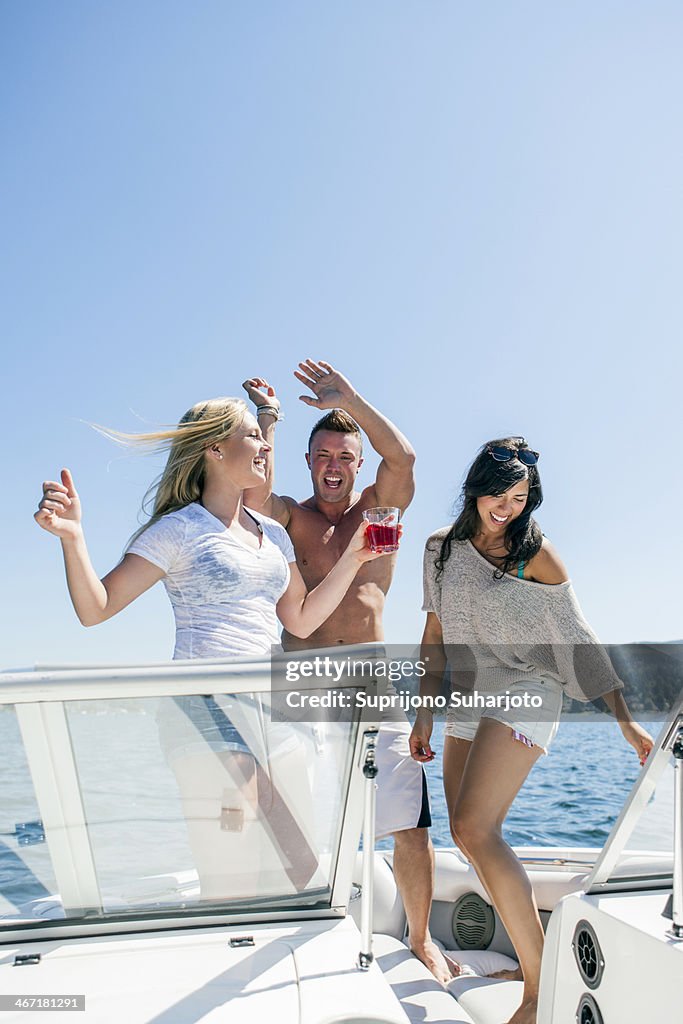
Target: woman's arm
<point x="433" y="654"/>
<point x="639" y="738"/>
<point x="301" y="612"/>
<point x="547" y="567"/>
<point x="94" y="600"/>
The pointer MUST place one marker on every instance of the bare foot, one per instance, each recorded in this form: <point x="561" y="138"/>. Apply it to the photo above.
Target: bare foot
<point x="453" y="966"/>
<point x="515" y="975"/>
<point x="526" y="1013"/>
<point x="442" y="967"/>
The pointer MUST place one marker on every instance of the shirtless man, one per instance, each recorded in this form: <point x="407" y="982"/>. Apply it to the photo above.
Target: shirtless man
<point x="320" y="528"/>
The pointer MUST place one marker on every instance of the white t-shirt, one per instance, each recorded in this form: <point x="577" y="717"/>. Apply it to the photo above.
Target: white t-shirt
<point x="223" y="592"/>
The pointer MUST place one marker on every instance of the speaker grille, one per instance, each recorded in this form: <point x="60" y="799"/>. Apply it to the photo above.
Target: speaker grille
<point x="473" y="922"/>
<point x="588" y="1011"/>
<point x="588" y="954"/>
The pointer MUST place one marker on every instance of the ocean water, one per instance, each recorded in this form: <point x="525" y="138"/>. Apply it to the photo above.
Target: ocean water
<point x="572" y="796"/>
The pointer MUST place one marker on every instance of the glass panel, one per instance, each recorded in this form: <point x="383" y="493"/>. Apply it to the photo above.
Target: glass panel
<point x="649" y="851"/>
<point x="215" y="802"/>
<point x="202" y="802"/>
<point x="26" y="875"/>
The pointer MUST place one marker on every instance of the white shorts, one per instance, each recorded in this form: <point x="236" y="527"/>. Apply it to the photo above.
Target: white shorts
<point x="535" y="727"/>
<point x="402" y="800"/>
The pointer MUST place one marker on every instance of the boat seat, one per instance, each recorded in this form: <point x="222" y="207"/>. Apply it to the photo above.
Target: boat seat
<point x="486" y="1000"/>
<point x="423" y="999"/>
<point x="468" y="1000"/>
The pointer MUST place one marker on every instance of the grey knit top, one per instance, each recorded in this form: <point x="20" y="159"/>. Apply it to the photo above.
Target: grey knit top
<point x="498" y="631"/>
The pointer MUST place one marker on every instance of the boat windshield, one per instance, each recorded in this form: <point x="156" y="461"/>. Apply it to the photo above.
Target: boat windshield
<point x="157" y="804"/>
<point x="640" y="850"/>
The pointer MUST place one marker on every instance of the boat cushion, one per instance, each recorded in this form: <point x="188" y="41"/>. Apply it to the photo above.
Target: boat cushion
<point x="487" y="1000"/>
<point x="454" y="875"/>
<point x="482" y="961"/>
<point x="423" y="999"/>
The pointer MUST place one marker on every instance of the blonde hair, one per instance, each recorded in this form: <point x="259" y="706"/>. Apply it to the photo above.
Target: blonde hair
<point x="182" y="480"/>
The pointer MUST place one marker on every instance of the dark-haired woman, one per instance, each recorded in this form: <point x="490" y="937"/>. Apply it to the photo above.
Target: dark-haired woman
<point x="502" y="616"/>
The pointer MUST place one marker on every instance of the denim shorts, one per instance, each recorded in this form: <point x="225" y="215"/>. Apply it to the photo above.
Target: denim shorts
<point x="239" y="725"/>
<point x="534" y="726"/>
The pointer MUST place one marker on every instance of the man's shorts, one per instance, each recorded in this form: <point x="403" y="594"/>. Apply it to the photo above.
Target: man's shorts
<point x="402" y="798"/>
<point x="535" y="727"/>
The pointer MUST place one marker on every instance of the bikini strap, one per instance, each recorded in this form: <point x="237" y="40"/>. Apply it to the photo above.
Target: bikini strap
<point x="259" y="527"/>
<point x="520" y="570"/>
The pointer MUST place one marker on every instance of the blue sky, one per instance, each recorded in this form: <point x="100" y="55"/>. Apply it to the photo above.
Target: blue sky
<point x="474" y="210"/>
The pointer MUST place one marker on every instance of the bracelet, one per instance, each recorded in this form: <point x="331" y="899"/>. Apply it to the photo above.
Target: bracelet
<point x="271" y="410"/>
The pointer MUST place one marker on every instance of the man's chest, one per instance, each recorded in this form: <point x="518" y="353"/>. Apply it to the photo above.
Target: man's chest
<point x="319" y="544"/>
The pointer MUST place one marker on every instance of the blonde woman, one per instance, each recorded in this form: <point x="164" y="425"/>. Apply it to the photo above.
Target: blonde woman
<point x="230" y="574"/>
<point x="198" y="541"/>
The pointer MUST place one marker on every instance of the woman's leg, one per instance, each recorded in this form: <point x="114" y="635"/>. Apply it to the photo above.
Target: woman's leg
<point x="493" y="773"/>
<point x="220" y="801"/>
<point x="455" y="754"/>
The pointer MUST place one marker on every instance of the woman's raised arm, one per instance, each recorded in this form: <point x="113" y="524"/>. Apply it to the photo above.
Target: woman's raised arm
<point x="94" y="600"/>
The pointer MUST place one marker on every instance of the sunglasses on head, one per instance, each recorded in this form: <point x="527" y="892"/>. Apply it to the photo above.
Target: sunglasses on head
<point x="504" y="454"/>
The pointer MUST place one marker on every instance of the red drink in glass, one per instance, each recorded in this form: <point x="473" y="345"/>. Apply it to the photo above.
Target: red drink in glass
<point x="383" y="536"/>
<point x="382" y="531"/>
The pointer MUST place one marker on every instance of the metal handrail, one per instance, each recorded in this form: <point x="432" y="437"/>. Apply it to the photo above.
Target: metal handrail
<point x="370" y="771"/>
<point x="677" y="899"/>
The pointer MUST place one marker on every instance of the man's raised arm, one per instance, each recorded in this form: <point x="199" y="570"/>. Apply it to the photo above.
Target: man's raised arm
<point x="395" y="483"/>
<point x="261" y="498"/>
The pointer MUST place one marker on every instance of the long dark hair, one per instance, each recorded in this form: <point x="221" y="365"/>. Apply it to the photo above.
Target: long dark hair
<point x="486" y="476"/>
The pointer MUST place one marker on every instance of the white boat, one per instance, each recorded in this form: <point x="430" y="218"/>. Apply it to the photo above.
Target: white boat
<point x="159" y="895"/>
